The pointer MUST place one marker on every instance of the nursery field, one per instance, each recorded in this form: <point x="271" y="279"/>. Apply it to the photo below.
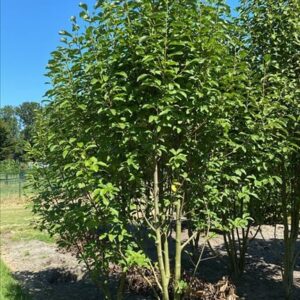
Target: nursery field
<point x="33" y="268"/>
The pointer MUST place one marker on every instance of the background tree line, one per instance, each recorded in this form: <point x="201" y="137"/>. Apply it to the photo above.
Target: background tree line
<point x="16" y="129"/>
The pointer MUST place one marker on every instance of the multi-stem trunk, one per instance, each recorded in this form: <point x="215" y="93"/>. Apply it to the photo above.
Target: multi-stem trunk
<point x="158" y="237"/>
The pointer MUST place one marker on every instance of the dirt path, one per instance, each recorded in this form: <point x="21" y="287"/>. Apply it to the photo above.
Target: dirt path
<point x="50" y="275"/>
<point x="44" y="272"/>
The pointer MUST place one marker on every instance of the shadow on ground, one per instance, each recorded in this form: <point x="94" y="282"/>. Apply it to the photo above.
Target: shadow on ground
<point x="56" y="284"/>
<point x="261" y="281"/>
<point x="262" y="277"/>
<point x="59" y="284"/>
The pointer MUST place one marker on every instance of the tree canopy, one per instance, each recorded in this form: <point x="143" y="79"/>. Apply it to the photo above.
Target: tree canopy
<point x="166" y="114"/>
<point x="16" y="124"/>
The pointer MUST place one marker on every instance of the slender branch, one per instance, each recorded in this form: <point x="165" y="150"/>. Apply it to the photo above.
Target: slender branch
<point x="189" y="239"/>
<point x="257" y="230"/>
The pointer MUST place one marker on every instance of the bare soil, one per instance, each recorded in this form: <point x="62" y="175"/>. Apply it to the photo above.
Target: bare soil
<point x="48" y="274"/>
<point x="262" y="277"/>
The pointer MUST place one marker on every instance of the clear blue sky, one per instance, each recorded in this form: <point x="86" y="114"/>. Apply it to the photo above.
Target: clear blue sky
<point x="29" y="32"/>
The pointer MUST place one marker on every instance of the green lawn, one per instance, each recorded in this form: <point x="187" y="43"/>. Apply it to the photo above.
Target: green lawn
<point x="16" y="217"/>
<point x="19" y="222"/>
<point x="9" y="288"/>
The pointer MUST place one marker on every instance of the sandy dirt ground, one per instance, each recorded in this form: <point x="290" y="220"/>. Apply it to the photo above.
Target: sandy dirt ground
<point x="262" y="277"/>
<point x="48" y="274"/>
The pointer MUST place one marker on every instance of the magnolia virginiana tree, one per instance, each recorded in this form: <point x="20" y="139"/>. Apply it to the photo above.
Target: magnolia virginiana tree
<point x="163" y="113"/>
<point x="273" y="42"/>
<point x="127" y="147"/>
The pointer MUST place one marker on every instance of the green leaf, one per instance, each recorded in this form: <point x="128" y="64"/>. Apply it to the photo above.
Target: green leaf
<point x="153" y="119"/>
<point x="65" y="153"/>
<point x="78" y="173"/>
<point x="64" y="32"/>
<point x="82" y="107"/>
<point x="81" y="185"/>
<point x="122" y="74"/>
<point x="141" y="77"/>
<point x="111" y="237"/>
<point x="83" y="6"/>
<point x="143" y="38"/>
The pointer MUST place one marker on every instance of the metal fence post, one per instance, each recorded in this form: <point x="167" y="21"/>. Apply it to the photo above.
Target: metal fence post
<point x="20" y="186"/>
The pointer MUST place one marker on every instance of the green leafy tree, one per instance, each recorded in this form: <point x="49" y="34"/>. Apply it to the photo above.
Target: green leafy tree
<point x="17" y="125"/>
<point x="27" y="112"/>
<point x="12" y="148"/>
<point x="166" y="111"/>
<point x="126" y="147"/>
<point x="273" y="42"/>
<point x="4" y="137"/>
<point x="8" y="115"/>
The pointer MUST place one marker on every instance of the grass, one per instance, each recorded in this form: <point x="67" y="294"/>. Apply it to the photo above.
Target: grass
<point x="9" y="287"/>
<point x="13" y="189"/>
<point x="8" y="190"/>
<point x="16" y="220"/>
<point x="32" y="234"/>
<point x="16" y="217"/>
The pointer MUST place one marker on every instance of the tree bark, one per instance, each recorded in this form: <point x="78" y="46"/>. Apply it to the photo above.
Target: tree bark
<point x="177" y="278"/>
<point x="158" y="242"/>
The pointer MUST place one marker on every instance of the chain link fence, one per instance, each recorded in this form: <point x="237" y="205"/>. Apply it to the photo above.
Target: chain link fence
<point x="12" y="185"/>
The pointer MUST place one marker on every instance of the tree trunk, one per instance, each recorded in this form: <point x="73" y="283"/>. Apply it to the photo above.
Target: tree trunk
<point x="177" y="278"/>
<point x="290" y="231"/>
<point x="121" y="286"/>
<point x="288" y="268"/>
